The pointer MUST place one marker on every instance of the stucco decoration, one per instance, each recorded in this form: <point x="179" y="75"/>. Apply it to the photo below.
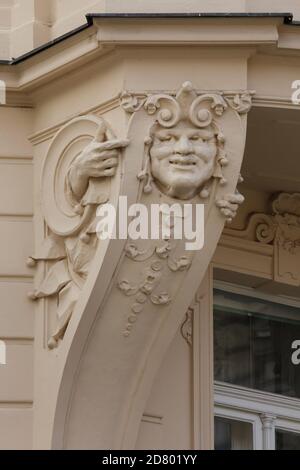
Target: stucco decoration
<point x="185" y="155"/>
<point x="76" y="179"/>
<point x="187" y="327"/>
<point x="185" y="161"/>
<point x="186" y="148"/>
<point x="281" y="228"/>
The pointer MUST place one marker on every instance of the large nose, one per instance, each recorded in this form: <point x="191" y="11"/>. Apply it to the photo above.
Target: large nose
<point x="183" y="146"/>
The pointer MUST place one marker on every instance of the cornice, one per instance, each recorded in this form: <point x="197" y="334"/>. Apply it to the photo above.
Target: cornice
<point x="114" y="102"/>
<point x="274" y="102"/>
<point x="90" y="17"/>
<point x="103" y="32"/>
<point x="255" y="400"/>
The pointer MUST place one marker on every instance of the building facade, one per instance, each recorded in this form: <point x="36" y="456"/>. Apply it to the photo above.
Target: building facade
<point x="118" y="343"/>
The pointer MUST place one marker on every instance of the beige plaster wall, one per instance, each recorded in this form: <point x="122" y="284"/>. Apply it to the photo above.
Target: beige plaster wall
<point x="30" y="25"/>
<point x="69" y="15"/>
<point x="5" y="25"/>
<point x="179" y="6"/>
<point x="16" y="311"/>
<point x="159" y="427"/>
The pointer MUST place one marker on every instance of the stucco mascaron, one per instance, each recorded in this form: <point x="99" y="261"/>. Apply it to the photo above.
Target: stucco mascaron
<point x="157" y="280"/>
<point x="123" y="80"/>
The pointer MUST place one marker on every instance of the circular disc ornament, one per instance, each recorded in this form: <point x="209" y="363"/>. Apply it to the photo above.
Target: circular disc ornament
<point x="67" y="144"/>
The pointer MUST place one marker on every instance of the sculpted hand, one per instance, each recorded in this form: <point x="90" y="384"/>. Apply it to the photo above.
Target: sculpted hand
<point x="230" y="204"/>
<point x="99" y="159"/>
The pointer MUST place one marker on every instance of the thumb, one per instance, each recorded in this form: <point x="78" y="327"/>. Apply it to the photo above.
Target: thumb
<point x="101" y="133"/>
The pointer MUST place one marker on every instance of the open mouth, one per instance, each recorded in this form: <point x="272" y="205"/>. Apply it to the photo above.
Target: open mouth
<point x="182" y="162"/>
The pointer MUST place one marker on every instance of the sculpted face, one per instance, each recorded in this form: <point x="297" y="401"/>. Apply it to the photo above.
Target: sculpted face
<point x="183" y="159"/>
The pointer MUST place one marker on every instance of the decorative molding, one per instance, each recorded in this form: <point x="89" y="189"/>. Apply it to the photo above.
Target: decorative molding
<point x="143" y="293"/>
<point x="257" y="401"/>
<point x="151" y="277"/>
<point x="253" y="292"/>
<point x="239" y="100"/>
<point x="268" y="421"/>
<point x="18" y="99"/>
<point x="282" y="230"/>
<point x="131" y="102"/>
<point x="152" y="419"/>
<point x="274" y="102"/>
<point x="203" y="364"/>
<point x="168" y="32"/>
<point x="49" y="132"/>
<point x="187" y="327"/>
<point x="17" y="217"/>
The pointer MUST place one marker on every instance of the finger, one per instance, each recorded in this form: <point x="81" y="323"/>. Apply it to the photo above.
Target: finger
<point x="222" y="203"/>
<point x="114" y="144"/>
<point x="110" y="145"/>
<point x="101" y="133"/>
<point x="227" y="212"/>
<point x="236" y="198"/>
<point x="110" y="172"/>
<point x="106" y="164"/>
<point x="99" y="156"/>
<point x="103" y="155"/>
<point x="96" y="172"/>
<point x="102" y="172"/>
<point x="111" y="162"/>
<point x="228" y="209"/>
<point x="233" y="207"/>
<point x="110" y="134"/>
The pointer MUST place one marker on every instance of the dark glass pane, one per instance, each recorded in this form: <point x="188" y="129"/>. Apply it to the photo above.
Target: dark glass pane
<point x="252" y="342"/>
<point x="287" y="440"/>
<point x="232" y="435"/>
<point x="222" y="434"/>
<point x="232" y="348"/>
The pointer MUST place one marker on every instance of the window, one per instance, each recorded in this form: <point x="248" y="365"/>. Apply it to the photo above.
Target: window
<point x="287" y="440"/>
<point x="257" y="387"/>
<point x="231" y="434"/>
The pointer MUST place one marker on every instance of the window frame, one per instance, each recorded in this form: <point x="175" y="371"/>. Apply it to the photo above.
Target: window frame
<point x="255" y="406"/>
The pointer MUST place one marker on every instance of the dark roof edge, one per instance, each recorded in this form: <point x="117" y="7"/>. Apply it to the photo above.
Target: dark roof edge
<point x="190" y="15"/>
<point x="47" y="45"/>
<point x="287" y="19"/>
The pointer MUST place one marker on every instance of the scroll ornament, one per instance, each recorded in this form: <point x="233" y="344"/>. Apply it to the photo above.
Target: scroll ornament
<point x="281" y="229"/>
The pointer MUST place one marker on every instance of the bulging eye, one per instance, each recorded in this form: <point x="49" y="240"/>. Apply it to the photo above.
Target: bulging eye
<point x="196" y="138"/>
<point x="166" y="138"/>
